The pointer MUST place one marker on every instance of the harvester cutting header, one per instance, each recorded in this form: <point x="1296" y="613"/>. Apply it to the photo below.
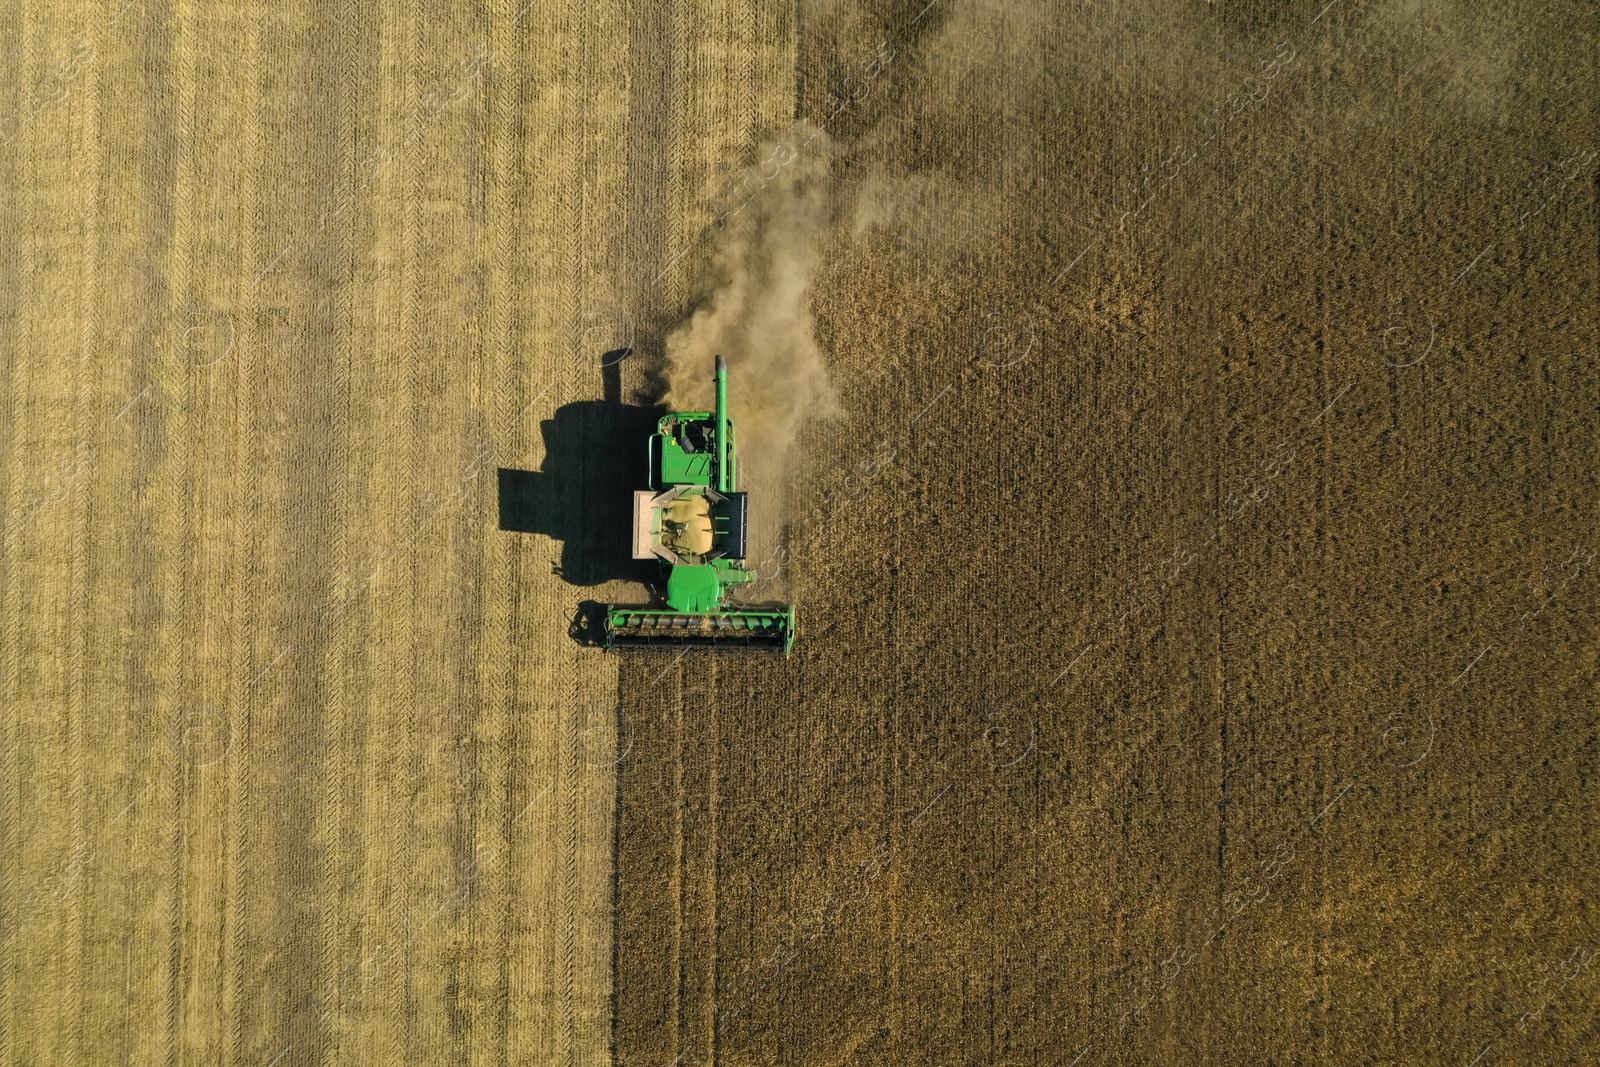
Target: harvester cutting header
<point x="694" y="519"/>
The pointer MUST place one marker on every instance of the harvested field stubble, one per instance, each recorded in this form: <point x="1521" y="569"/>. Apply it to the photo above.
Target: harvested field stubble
<point x="300" y="765"/>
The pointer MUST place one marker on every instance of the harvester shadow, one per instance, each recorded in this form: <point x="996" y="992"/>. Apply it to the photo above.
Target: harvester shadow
<point x="588" y="626"/>
<point x="594" y="457"/>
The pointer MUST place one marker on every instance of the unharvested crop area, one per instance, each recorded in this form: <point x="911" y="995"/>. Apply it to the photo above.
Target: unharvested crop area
<point x="1194" y="538"/>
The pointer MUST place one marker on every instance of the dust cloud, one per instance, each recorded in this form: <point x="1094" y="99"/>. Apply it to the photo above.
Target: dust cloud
<point x="757" y="313"/>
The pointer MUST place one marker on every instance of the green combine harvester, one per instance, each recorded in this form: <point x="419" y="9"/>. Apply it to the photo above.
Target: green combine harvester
<point x="693" y="519"/>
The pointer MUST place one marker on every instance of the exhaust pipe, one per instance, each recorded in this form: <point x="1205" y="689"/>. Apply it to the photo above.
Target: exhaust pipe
<point x="724" y="482"/>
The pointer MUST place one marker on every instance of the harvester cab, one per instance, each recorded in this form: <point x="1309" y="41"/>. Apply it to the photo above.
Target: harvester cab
<point x="693" y="518"/>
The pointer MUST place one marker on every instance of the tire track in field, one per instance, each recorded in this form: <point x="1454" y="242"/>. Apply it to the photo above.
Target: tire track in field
<point x="413" y="849"/>
<point x="494" y="211"/>
<point x="13" y="216"/>
<point x="205" y="438"/>
<point x="441" y="581"/>
<point x="177" y="494"/>
<point x="247" y="470"/>
<point x="295" y="769"/>
<point x="82" y="619"/>
<point x="650" y="127"/>
<point x="13" y="64"/>
<point x="484" y="1001"/>
<point x="147" y="116"/>
<point x="575" y="132"/>
<point x="244" y="198"/>
<point x="576" y="236"/>
<point x="435" y="297"/>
